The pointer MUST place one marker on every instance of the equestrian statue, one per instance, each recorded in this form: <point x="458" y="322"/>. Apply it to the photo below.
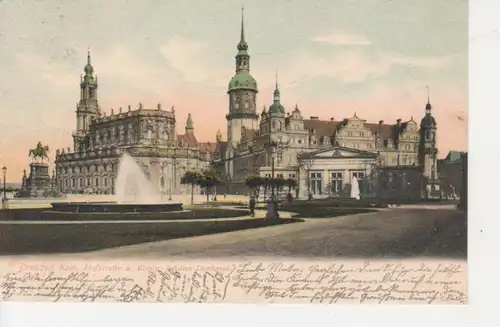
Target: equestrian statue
<point x="40" y="152"/>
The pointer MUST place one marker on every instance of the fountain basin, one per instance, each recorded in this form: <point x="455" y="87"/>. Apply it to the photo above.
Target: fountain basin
<point x="88" y="207"/>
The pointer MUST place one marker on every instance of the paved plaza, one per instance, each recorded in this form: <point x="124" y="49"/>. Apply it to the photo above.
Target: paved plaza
<point x="390" y="233"/>
<point x="413" y="230"/>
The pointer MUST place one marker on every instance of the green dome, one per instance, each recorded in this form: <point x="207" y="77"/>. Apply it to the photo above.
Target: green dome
<point x="244" y="81"/>
<point x="428" y="121"/>
<point x="277" y="108"/>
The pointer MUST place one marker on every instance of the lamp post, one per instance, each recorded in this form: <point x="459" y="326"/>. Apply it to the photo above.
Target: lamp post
<point x="4" y="171"/>
<point x="4" y="199"/>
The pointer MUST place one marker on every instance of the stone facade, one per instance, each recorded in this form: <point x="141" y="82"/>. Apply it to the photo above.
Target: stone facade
<point x="147" y="134"/>
<point x="277" y="138"/>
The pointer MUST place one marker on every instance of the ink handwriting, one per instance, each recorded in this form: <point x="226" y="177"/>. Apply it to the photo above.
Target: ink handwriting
<point x="362" y="282"/>
<point x="159" y="286"/>
<point x="366" y="283"/>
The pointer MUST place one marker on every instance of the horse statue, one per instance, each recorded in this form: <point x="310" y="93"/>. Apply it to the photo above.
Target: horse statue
<point x="40" y="152"/>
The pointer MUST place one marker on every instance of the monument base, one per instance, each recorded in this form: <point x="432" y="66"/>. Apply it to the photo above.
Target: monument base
<point x="272" y="210"/>
<point x="38" y="183"/>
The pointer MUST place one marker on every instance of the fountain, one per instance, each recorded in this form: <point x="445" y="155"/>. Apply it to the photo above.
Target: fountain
<point x="134" y="192"/>
<point x="354" y="188"/>
<point x="132" y="185"/>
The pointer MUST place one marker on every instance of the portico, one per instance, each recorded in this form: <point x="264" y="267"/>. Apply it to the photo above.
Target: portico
<point x="328" y="172"/>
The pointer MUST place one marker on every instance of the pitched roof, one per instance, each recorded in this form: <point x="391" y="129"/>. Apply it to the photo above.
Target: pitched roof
<point x="188" y="139"/>
<point x="207" y="146"/>
<point x="328" y="128"/>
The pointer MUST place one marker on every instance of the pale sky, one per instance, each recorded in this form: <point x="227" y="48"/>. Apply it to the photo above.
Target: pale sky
<point x="334" y="58"/>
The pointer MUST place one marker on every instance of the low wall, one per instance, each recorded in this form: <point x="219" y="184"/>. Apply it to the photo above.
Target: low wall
<point x="32" y="238"/>
<point x="114" y="207"/>
<point x="47" y="215"/>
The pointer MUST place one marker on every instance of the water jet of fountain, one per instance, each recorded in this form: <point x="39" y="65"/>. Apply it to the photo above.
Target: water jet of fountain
<point x="355" y="188"/>
<point x="132" y="185"/>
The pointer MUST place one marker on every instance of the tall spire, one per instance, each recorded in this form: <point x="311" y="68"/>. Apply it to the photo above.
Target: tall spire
<point x="89" y="70"/>
<point x="189" y="123"/>
<point x="242" y="45"/>
<point x="276" y="90"/>
<point x="242" y="37"/>
<point x="428" y="106"/>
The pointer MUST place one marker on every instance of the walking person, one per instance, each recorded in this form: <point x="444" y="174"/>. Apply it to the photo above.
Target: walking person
<point x="251" y="206"/>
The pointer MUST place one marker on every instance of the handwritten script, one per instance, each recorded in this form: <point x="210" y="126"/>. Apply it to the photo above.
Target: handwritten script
<point x="274" y="282"/>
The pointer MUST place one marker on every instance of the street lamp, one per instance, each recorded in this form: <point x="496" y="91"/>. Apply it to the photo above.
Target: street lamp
<point x="4" y="199"/>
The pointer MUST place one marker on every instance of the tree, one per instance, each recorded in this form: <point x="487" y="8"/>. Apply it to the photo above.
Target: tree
<point x="266" y="182"/>
<point x="208" y="179"/>
<point x="191" y="177"/>
<point x="254" y="183"/>
<point x="290" y="183"/>
<point x="277" y="184"/>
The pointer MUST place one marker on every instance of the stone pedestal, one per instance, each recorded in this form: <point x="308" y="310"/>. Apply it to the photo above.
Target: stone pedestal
<point x="272" y="210"/>
<point x="37" y="182"/>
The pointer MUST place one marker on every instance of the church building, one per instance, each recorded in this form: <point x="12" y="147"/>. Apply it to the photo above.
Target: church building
<point x="147" y="134"/>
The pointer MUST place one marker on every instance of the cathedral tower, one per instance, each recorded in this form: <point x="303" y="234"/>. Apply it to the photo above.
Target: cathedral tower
<point x="242" y="91"/>
<point x="87" y="108"/>
<point x="428" y="150"/>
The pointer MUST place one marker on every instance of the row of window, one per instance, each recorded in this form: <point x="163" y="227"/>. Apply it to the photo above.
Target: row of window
<point x="85" y="169"/>
<point x="87" y="182"/>
<point x="280" y="175"/>
<point x="336" y="182"/>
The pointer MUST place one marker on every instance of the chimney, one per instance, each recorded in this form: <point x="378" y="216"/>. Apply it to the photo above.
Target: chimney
<point x="314" y="117"/>
<point x="381" y="122"/>
<point x="332" y="119"/>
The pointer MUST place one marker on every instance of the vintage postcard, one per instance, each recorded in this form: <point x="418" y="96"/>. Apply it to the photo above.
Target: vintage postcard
<point x="220" y="151"/>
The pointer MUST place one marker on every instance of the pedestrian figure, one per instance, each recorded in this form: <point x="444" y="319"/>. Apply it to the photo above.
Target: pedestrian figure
<point x="289" y="197"/>
<point x="251" y="206"/>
